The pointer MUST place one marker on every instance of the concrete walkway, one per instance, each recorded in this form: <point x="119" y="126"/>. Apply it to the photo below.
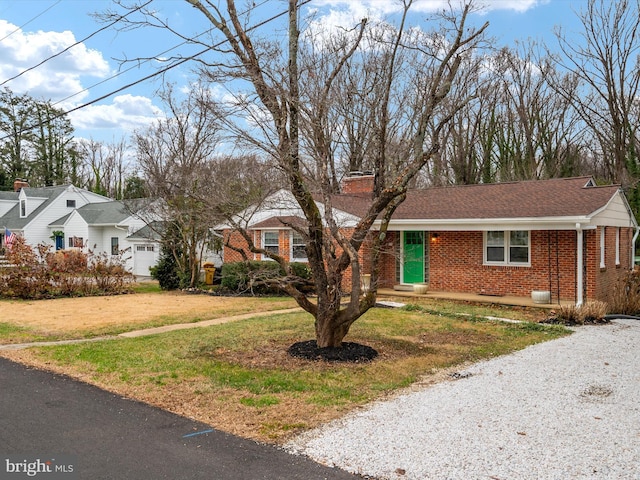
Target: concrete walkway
<point x="154" y="331"/>
<point x="204" y="323"/>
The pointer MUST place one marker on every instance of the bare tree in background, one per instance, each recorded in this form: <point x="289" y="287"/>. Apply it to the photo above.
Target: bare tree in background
<point x="605" y="64"/>
<point x="181" y="167"/>
<point x="104" y="167"/>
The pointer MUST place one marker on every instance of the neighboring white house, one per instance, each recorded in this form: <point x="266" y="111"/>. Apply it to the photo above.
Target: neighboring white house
<point x="110" y="227"/>
<point x="70" y="217"/>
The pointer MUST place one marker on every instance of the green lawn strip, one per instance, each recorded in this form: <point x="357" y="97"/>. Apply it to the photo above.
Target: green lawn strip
<point x="12" y="334"/>
<point x="249" y="357"/>
<point x="445" y="307"/>
<point x="147" y="287"/>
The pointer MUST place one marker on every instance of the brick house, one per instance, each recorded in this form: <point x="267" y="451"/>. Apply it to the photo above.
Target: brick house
<point x="567" y="237"/>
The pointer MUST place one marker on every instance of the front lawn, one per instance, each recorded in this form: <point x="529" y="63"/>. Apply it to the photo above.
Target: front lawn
<point x="86" y="317"/>
<point x="239" y="378"/>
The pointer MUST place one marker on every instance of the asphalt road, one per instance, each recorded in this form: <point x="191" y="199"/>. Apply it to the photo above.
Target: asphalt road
<point x="108" y="437"/>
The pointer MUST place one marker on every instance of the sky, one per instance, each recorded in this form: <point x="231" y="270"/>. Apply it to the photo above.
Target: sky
<point x="32" y="31"/>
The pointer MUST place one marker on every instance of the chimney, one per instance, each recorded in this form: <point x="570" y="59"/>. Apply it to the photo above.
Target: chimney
<point x="19" y="184"/>
<point x="358" y="182"/>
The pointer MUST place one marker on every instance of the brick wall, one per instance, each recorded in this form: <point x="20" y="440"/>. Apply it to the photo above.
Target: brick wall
<point x="230" y="255"/>
<point x="602" y="281"/>
<point x="456" y="265"/>
<point x="357" y="184"/>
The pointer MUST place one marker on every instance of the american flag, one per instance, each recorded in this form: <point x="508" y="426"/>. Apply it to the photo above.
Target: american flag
<point x="9" y="238"/>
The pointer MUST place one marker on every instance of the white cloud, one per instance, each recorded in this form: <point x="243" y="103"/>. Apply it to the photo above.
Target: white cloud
<point x="379" y="8"/>
<point x="54" y="79"/>
<point x="515" y="5"/>
<point x="126" y="113"/>
<point x="66" y="76"/>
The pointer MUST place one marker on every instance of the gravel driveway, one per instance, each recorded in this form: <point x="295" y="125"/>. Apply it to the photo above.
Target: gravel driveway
<point x="564" y="409"/>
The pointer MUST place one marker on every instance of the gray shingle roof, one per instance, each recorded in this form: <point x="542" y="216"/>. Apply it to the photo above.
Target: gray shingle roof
<point x="4" y="195"/>
<point x="104" y="213"/>
<point x="151" y="232"/>
<point x="12" y="219"/>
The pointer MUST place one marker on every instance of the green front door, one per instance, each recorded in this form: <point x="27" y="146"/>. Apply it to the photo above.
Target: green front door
<point x="413" y="257"/>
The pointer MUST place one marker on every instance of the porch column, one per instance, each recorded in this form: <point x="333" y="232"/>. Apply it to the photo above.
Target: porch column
<point x="580" y="265"/>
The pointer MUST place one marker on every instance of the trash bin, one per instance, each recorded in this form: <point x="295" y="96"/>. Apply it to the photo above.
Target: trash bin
<point x="209" y="272"/>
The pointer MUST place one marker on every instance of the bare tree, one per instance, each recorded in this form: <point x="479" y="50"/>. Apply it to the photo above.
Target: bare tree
<point x="193" y="183"/>
<point x="104" y="167"/>
<point x="606" y="67"/>
<point x="291" y="115"/>
<point x="332" y="252"/>
<point x="174" y="156"/>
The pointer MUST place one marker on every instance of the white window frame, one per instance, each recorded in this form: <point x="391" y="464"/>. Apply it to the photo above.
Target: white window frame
<point x="506" y="246"/>
<point x="617" y="246"/>
<point x="23" y="208"/>
<point x="293" y="244"/>
<point x="603" y="264"/>
<point x="265" y="245"/>
<point x="116" y="245"/>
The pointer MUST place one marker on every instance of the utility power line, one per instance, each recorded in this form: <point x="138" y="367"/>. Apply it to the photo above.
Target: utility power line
<point x="77" y="43"/>
<point x="27" y="23"/>
<point x="158" y="72"/>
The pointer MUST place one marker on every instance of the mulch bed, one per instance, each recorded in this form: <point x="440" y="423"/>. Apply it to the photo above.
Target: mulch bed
<point x="348" y="352"/>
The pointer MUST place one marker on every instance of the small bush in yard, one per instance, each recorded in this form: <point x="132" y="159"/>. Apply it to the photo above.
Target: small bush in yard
<point x="589" y="312"/>
<point x="301" y="270"/>
<point x="166" y="271"/>
<point x="626" y="295"/>
<point x="255" y="276"/>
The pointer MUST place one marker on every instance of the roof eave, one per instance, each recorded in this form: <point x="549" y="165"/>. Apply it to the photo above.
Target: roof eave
<point x="482" y="224"/>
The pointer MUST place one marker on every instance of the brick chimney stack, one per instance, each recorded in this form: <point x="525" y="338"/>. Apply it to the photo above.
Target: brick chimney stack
<point x="358" y="182"/>
<point x="19" y="184"/>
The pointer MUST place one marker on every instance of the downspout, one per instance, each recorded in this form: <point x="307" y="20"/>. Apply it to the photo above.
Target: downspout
<point x="580" y="266"/>
<point x="633" y="247"/>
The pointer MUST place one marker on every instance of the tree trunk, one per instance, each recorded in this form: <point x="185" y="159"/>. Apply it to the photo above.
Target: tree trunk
<point x="329" y="331"/>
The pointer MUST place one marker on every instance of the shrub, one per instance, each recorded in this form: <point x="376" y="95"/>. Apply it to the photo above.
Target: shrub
<point x="109" y="273"/>
<point x="67" y="261"/>
<point x="41" y="273"/>
<point x="166" y="272"/>
<point x="254" y="276"/>
<point x="301" y="270"/>
<point x="593" y="312"/>
<point x="589" y="312"/>
<point x="625" y="299"/>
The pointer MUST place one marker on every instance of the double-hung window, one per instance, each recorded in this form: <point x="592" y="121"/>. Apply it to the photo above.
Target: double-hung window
<point x="270" y="242"/>
<point x="298" y="248"/>
<point x="115" y="247"/>
<point x="507" y="247"/>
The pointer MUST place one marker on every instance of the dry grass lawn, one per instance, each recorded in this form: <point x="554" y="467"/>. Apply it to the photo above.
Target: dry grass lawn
<point x="77" y="316"/>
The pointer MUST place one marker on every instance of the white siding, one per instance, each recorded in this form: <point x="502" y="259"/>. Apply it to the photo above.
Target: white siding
<point x="37" y="230"/>
<point x="75" y="227"/>
<point x="615" y="214"/>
